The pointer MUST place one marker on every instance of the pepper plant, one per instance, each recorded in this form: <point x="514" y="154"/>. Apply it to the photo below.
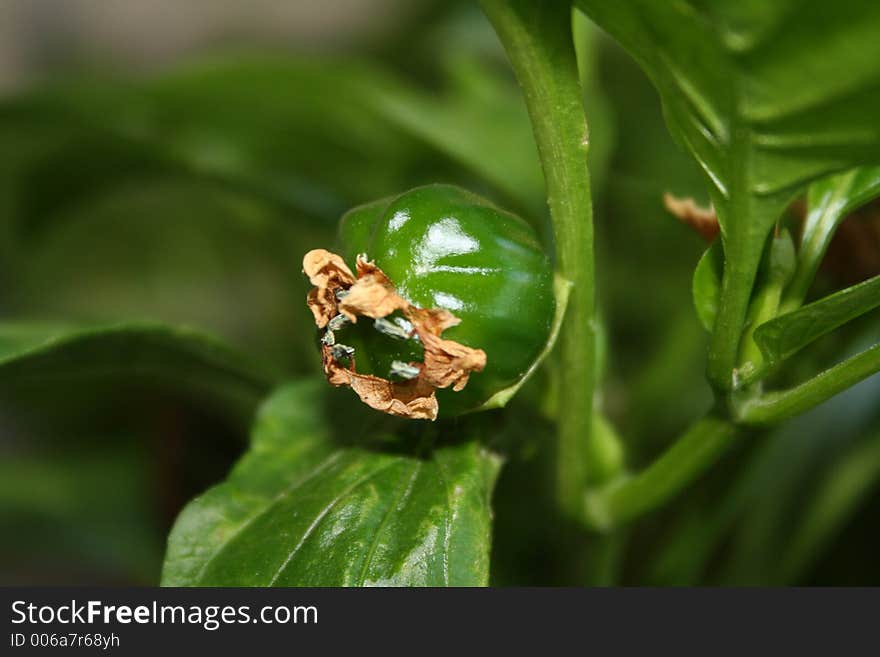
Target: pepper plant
<point x="474" y="341"/>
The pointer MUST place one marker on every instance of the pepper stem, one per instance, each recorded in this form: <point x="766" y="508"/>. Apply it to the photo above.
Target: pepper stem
<point x="539" y="43"/>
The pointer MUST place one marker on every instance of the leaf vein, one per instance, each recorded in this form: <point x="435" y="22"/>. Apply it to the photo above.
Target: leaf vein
<point x="448" y="523"/>
<point x="330" y="460"/>
<point x="320" y="517"/>
<point x="398" y="502"/>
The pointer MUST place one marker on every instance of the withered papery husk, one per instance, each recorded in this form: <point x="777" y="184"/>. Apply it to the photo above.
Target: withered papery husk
<point x="372" y="294"/>
<point x="328" y="273"/>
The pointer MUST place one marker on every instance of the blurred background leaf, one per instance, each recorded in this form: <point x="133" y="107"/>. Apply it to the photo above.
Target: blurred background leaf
<point x="33" y="356"/>
<point x="182" y="188"/>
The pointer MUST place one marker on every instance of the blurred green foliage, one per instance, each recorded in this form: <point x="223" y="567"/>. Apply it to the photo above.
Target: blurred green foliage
<point x="187" y="197"/>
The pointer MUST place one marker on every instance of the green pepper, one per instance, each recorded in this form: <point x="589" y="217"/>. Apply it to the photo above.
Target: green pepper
<point x="444" y="247"/>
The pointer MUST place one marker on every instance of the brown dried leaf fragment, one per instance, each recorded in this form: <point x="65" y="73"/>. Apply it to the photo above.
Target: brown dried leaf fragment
<point x="413" y="399"/>
<point x="703" y="220"/>
<point x="372" y="294"/>
<point x="448" y="363"/>
<point x="432" y="320"/>
<point x="329" y="274"/>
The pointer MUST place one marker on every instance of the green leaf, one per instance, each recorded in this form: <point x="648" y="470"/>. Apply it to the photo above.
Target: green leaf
<point x="787" y="334"/>
<point x="767" y="97"/>
<point x="312" y="136"/>
<point x="480" y="121"/>
<point x="829" y="201"/>
<point x="177" y="252"/>
<point x="302" y="509"/>
<point x="32" y="354"/>
<point x="776" y="270"/>
<point x="707" y="284"/>
<point x="293" y="132"/>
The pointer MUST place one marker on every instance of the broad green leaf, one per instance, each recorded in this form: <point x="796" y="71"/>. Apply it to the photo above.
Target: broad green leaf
<point x="311" y="136"/>
<point x="302" y="508"/>
<point x="293" y="131"/>
<point x="479" y="121"/>
<point x="103" y="436"/>
<point x="707" y="284"/>
<point x="33" y="354"/>
<point x="82" y="164"/>
<point x="767" y="96"/>
<point x="181" y="253"/>
<point x="829" y="201"/>
<point x="787" y="334"/>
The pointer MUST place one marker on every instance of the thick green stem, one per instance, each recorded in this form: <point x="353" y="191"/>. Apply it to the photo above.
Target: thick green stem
<point x="539" y="43"/>
<point x="618" y="502"/>
<point x="777" y="406"/>
<point x="749" y="222"/>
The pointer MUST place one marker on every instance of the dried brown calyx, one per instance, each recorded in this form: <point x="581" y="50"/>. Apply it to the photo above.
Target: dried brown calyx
<point x="340" y="297"/>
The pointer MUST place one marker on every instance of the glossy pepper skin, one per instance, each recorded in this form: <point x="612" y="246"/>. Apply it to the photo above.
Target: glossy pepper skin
<point x="444" y="247"/>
